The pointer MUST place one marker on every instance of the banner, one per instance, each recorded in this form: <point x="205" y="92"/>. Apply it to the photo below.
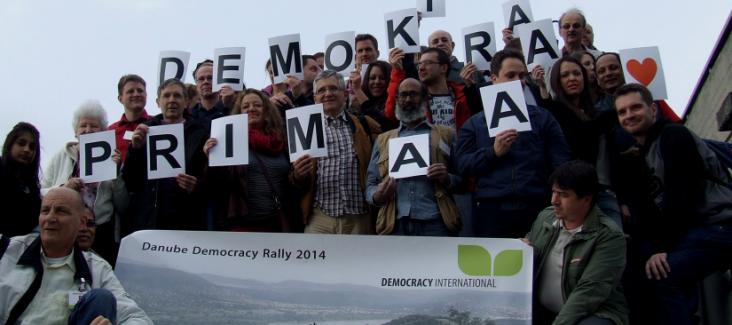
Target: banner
<point x="182" y="277"/>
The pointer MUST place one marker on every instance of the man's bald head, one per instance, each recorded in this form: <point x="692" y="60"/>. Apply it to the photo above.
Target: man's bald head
<point x="442" y="40"/>
<point x="62" y="215"/>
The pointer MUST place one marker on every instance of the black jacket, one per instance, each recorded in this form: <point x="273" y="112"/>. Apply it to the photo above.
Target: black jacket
<point x="161" y="203"/>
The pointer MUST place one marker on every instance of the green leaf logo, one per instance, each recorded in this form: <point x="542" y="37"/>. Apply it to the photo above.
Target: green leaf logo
<point x="508" y="262"/>
<point x="474" y="260"/>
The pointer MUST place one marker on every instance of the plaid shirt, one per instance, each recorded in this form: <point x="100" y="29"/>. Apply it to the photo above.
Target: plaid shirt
<point x="338" y="192"/>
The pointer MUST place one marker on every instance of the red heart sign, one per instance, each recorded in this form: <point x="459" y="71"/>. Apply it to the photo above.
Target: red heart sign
<point x="643" y="72"/>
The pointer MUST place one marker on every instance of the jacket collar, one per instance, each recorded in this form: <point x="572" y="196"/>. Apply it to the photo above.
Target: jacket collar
<point x="591" y="224"/>
<point x="32" y="257"/>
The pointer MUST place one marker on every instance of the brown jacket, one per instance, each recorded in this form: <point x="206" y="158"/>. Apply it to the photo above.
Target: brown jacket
<point x="363" y="144"/>
<point x="445" y="202"/>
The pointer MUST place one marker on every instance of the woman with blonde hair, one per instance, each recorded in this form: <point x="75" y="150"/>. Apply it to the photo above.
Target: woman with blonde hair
<point x="255" y="197"/>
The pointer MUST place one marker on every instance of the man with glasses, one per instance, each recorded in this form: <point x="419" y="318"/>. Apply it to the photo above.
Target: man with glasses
<point x="448" y="104"/>
<point x="212" y="104"/>
<point x="86" y="235"/>
<point x="334" y="200"/>
<point x="572" y="28"/>
<point x="421" y="205"/>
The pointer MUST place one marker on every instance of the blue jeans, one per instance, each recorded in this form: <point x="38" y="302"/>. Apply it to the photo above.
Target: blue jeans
<point x="506" y="217"/>
<point x="700" y="253"/>
<point x="96" y="302"/>
<point x="406" y="226"/>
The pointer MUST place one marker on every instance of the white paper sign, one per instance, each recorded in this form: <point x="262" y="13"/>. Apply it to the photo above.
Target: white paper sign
<point x="286" y="55"/>
<point x="165" y="151"/>
<point x="431" y="8"/>
<point x="228" y="68"/>
<point x="364" y="77"/>
<point x="172" y="64"/>
<point x="505" y="107"/>
<point x="539" y="43"/>
<point x="402" y="30"/>
<point x="306" y="132"/>
<point x="95" y="156"/>
<point x="232" y="134"/>
<point x="339" y="51"/>
<point x="517" y="12"/>
<point x="480" y="45"/>
<point x="643" y="65"/>
<point x="409" y="156"/>
<point x="274" y="278"/>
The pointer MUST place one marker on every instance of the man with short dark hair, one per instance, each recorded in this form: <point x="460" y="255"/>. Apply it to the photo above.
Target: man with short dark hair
<point x="132" y="95"/>
<point x="690" y="232"/>
<point x="47" y="279"/>
<point x="334" y="185"/>
<point x="169" y="203"/>
<point x="320" y="57"/>
<point x="443" y="40"/>
<point x="448" y="103"/>
<point x="212" y="104"/>
<point x="294" y="92"/>
<point x="367" y="49"/>
<point x="422" y="205"/>
<point x="580" y="254"/>
<point x="511" y="169"/>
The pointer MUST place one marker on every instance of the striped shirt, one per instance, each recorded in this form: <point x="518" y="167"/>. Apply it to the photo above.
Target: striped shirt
<point x="338" y="192"/>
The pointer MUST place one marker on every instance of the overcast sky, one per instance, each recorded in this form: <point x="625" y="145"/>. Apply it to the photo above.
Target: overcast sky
<point x="57" y="54"/>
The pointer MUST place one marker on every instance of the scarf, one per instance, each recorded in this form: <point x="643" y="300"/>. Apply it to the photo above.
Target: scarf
<point x="267" y="143"/>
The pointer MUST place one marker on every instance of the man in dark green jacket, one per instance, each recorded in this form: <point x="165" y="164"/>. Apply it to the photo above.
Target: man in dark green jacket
<point x="579" y="254"/>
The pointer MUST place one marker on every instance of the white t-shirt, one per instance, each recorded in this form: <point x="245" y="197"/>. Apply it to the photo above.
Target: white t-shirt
<point x="442" y="108"/>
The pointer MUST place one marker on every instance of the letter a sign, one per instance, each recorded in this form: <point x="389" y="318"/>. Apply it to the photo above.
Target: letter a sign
<point x="539" y="43"/>
<point x="306" y="132"/>
<point x="409" y="156"/>
<point x="505" y="107"/>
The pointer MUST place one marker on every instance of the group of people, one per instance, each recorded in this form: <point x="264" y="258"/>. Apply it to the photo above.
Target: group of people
<point x="639" y="209"/>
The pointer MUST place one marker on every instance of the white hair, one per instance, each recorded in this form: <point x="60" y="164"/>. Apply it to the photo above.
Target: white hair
<point x="90" y="109"/>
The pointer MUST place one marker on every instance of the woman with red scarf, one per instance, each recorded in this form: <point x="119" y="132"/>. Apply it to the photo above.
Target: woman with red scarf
<point x="255" y="197"/>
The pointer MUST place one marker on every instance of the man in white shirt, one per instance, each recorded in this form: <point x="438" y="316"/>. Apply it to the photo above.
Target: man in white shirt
<point x="47" y="279"/>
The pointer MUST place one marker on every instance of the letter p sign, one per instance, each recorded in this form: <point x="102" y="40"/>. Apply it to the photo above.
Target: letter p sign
<point x="95" y="156"/>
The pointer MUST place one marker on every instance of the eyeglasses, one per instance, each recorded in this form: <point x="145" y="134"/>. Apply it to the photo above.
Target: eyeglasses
<point x="206" y="78"/>
<point x="332" y="89"/>
<point x="426" y="62"/>
<point x="575" y="26"/>
<point x="408" y="94"/>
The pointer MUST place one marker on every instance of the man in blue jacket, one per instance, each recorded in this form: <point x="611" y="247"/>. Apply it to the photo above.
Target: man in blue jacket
<point x="511" y="170"/>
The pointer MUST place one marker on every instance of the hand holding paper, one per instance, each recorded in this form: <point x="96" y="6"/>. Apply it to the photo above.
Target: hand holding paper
<point x="503" y="142"/>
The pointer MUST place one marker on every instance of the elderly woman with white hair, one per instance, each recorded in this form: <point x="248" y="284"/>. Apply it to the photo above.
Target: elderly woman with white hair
<point x="107" y="199"/>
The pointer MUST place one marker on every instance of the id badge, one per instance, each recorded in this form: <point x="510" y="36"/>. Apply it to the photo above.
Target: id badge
<point x="127" y="135"/>
<point x="74" y="297"/>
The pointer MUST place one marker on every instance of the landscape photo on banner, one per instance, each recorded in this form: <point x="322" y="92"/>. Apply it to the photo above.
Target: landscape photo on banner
<point x="181" y="277"/>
